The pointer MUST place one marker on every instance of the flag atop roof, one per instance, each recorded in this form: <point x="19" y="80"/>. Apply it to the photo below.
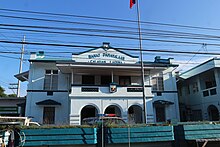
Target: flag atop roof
<point x="132" y="2"/>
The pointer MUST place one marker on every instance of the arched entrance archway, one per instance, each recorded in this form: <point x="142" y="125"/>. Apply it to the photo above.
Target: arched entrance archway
<point x="135" y="114"/>
<point x="213" y="113"/>
<point x="88" y="111"/>
<point x="112" y="109"/>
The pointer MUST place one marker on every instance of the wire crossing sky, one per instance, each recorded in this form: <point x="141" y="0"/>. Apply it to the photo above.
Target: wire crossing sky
<point x="188" y="31"/>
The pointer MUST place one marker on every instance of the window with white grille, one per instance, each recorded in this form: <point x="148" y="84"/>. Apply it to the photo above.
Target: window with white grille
<point x="195" y="87"/>
<point x="51" y="80"/>
<point x="157" y="83"/>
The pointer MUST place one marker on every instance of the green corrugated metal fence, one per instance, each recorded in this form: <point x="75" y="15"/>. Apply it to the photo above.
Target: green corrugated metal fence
<point x="64" y="136"/>
<point x="143" y="134"/>
<point x="202" y="131"/>
<point x="72" y="136"/>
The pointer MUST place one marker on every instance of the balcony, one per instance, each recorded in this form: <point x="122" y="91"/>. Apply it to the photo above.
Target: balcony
<point x="104" y="91"/>
<point x="209" y="92"/>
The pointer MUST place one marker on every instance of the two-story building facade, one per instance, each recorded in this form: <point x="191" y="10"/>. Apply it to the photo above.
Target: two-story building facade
<point x="103" y="80"/>
<point x="199" y="92"/>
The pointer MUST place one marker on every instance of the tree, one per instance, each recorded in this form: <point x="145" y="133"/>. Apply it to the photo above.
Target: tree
<point x="12" y="95"/>
<point x="2" y="92"/>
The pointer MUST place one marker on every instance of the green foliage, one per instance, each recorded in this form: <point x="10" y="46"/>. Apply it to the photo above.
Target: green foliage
<point x="12" y="95"/>
<point x="2" y="92"/>
<point x="56" y="127"/>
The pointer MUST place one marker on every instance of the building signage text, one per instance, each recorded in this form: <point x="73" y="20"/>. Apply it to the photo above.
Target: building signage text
<point x="95" y="58"/>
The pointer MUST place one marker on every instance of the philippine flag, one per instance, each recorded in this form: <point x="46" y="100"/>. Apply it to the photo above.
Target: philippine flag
<point x="132" y="2"/>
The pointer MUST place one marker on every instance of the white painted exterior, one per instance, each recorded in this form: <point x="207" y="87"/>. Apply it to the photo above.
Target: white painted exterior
<point x="36" y="82"/>
<point x="168" y="95"/>
<point x="105" y="55"/>
<point x="195" y="105"/>
<point x="72" y="99"/>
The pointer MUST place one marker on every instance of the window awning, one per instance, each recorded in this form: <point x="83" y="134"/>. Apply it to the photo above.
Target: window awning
<point x="48" y="102"/>
<point x="22" y="76"/>
<point x="162" y="102"/>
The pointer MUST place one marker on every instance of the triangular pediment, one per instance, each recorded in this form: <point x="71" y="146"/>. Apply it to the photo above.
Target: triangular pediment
<point x="105" y="55"/>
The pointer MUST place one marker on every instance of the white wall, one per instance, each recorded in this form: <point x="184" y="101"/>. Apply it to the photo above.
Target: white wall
<point x="170" y="94"/>
<point x="36" y="82"/>
<point x="36" y="111"/>
<point x="102" y="103"/>
<point x="197" y="101"/>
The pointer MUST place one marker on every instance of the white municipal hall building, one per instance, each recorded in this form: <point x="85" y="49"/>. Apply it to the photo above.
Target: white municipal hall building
<point x="103" y="80"/>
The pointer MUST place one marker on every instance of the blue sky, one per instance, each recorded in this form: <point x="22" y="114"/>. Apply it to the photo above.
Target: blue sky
<point x="201" y="13"/>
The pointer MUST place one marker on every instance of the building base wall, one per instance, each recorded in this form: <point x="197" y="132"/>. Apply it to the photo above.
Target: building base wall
<point x="102" y="104"/>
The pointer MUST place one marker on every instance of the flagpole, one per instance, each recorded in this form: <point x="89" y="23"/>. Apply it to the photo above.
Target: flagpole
<point x="142" y="65"/>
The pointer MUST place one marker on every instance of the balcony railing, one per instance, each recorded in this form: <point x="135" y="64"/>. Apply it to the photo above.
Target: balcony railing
<point x="104" y="91"/>
<point x="209" y="92"/>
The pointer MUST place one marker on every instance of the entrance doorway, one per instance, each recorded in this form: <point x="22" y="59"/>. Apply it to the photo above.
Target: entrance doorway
<point x="160" y="113"/>
<point x="135" y="114"/>
<point x="112" y="109"/>
<point x="213" y="113"/>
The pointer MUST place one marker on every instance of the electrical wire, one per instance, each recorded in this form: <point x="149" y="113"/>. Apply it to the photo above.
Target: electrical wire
<point x="118" y="37"/>
<point x="150" y="33"/>
<point x="123" y="37"/>
<point x="112" y="19"/>
<point x="83" y="23"/>
<point x="93" y="47"/>
<point x="166" y="34"/>
<point x="170" y="41"/>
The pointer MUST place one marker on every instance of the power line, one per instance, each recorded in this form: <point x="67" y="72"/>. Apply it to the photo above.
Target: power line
<point x="62" y="21"/>
<point x="91" y="43"/>
<point x="190" y="58"/>
<point x="68" y="52"/>
<point x="70" y="57"/>
<point x="182" y="33"/>
<point x="209" y="37"/>
<point x="93" y="47"/>
<point x="83" y="23"/>
<point x="171" y="33"/>
<point x="112" y="19"/>
<point x="9" y="52"/>
<point x="5" y="56"/>
<point x="111" y="31"/>
<point x="164" y="34"/>
<point x="111" y="36"/>
<point x="156" y="34"/>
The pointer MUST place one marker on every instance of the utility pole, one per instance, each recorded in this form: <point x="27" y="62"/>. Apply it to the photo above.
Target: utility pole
<point x="20" y="67"/>
<point x="142" y="65"/>
<point x="13" y="86"/>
